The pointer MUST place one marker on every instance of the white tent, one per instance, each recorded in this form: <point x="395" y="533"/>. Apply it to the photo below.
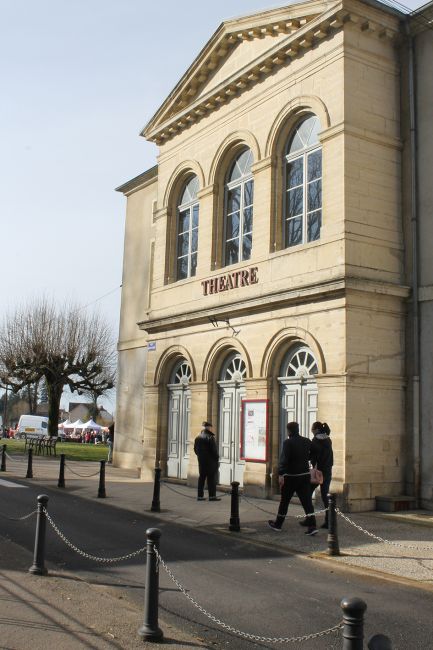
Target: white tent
<point x="78" y="424"/>
<point x="91" y="425"/>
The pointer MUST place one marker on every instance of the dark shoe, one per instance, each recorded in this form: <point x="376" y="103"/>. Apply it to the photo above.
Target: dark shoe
<point x="325" y="525"/>
<point x="311" y="531"/>
<point x="214" y="499"/>
<point x="273" y="525"/>
<point x="201" y="498"/>
<point x="303" y="522"/>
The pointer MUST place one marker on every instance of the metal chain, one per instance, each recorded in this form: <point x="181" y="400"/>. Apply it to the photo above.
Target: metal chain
<point x="107" y="560"/>
<point x="381" y="539"/>
<point x="15" y="460"/>
<point x="18" y="518"/>
<point x="229" y="628"/>
<point x="316" y="512"/>
<point x="188" y="496"/>
<point x="78" y="474"/>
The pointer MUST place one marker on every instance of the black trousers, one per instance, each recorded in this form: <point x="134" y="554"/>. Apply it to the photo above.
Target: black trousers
<point x="207" y="472"/>
<point x="302" y="486"/>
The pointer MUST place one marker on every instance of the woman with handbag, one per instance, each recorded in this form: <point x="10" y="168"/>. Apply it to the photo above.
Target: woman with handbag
<point x="322" y="458"/>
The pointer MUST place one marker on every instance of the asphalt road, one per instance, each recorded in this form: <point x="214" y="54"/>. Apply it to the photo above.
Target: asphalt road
<point x="255" y="589"/>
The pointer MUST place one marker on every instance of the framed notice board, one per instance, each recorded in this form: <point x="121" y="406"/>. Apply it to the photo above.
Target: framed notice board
<point x="254" y="430"/>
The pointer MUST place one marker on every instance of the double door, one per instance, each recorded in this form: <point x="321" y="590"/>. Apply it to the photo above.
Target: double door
<point x="298" y="404"/>
<point x="231" y="465"/>
<point x="178" y="431"/>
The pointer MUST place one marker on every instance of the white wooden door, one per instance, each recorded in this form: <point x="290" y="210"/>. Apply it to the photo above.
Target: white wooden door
<point x="179" y="408"/>
<point x="231" y="392"/>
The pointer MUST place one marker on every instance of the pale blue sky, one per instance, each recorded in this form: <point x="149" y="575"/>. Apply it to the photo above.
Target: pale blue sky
<point x="80" y="78"/>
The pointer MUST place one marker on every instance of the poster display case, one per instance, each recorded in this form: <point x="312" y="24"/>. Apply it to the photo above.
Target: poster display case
<point x="254" y="430"/>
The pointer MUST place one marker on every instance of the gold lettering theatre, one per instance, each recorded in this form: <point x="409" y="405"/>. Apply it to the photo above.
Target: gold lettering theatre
<point x="280" y="252"/>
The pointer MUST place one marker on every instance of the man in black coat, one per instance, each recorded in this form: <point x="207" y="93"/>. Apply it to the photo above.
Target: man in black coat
<point x="294" y="476"/>
<point x="206" y="451"/>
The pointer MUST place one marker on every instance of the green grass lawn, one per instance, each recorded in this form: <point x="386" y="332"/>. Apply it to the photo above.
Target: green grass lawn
<point x="72" y="450"/>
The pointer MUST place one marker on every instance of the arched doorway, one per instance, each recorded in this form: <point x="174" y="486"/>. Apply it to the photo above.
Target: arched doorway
<point x="298" y="390"/>
<point x="179" y="407"/>
<point x="231" y="391"/>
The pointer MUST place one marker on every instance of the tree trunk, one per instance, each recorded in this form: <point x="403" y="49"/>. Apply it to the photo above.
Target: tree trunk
<point x="54" y="395"/>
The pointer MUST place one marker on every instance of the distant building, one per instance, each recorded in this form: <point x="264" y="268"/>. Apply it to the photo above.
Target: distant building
<point x="79" y="411"/>
<point x="281" y="252"/>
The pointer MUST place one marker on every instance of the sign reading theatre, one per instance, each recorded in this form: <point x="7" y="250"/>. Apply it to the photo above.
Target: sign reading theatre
<point x="230" y="281"/>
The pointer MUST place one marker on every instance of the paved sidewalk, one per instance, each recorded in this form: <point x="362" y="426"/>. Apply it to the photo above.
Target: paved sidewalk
<point x="77" y="615"/>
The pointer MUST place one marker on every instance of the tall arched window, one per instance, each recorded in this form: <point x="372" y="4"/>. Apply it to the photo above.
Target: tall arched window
<point x="238" y="212"/>
<point x="303" y="184"/>
<point x="187" y="230"/>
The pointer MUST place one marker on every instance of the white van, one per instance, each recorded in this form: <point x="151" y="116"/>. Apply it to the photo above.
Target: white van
<point x="33" y="425"/>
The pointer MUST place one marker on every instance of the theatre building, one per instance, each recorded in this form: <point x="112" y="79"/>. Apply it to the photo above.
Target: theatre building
<point x="277" y="258"/>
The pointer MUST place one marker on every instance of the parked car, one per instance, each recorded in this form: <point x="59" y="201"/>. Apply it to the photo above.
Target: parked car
<point x="34" y="425"/>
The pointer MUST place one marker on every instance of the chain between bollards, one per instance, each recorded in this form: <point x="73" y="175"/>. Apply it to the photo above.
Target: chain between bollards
<point x="3" y="465"/>
<point x="30" y="465"/>
<point x="333" y="546"/>
<point x="353" y="623"/>
<point x="101" y="490"/>
<point x="61" y="482"/>
<point x="150" y="629"/>
<point x="38" y="566"/>
<point x="235" y="523"/>
<point x="156" y="506"/>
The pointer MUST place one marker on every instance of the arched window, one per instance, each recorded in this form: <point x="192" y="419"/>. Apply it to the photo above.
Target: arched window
<point x="303" y="184"/>
<point x="187" y="230"/>
<point x="238" y="212"/>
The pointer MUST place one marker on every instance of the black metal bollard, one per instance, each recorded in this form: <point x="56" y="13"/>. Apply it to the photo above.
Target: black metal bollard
<point x="3" y="465"/>
<point x="61" y="482"/>
<point x="101" y="490"/>
<point x="353" y="620"/>
<point x="235" y="523"/>
<point x="30" y="465"/>
<point x="150" y="629"/>
<point x="333" y="546"/>
<point x="38" y="567"/>
<point x="156" y="506"/>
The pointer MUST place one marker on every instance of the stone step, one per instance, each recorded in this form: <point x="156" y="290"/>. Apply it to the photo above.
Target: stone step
<point x="395" y="504"/>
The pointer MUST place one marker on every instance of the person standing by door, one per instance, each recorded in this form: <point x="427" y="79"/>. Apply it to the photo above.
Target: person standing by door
<point x="294" y="476"/>
<point x="206" y="451"/>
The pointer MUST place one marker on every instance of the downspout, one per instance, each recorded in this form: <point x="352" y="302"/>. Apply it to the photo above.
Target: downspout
<point x="415" y="303"/>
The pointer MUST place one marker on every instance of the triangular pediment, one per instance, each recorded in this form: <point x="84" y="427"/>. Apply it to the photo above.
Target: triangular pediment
<point x="239" y="52"/>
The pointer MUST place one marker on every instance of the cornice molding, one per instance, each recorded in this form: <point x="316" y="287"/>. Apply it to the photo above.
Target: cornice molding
<point x="332" y="289"/>
<point x="302" y="34"/>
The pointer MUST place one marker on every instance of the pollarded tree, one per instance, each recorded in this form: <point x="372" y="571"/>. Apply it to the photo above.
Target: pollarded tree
<point x="66" y="347"/>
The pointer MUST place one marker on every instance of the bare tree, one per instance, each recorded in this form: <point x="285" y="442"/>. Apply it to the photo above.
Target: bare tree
<point x="65" y="346"/>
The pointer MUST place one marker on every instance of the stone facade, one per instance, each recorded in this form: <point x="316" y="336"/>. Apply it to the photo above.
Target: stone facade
<point x="340" y="299"/>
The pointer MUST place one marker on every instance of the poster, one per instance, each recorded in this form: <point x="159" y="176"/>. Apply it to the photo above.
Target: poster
<point x="254" y="430"/>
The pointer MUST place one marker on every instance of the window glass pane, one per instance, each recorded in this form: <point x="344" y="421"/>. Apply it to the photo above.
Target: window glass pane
<point x="182" y="268"/>
<point x="183" y="244"/>
<point x="232" y="226"/>
<point x="245" y="161"/>
<point x="246" y="247"/>
<point x="295" y="202"/>
<point x="295" y="173"/>
<point x="183" y="221"/>
<point x="294" y="231"/>
<point x="194" y="240"/>
<point x="193" y="263"/>
<point x="195" y="216"/>
<point x="234" y="199"/>
<point x="248" y="220"/>
<point x="314" y="165"/>
<point x="248" y="193"/>
<point x="313" y="225"/>
<point x="314" y="195"/>
<point x="190" y="191"/>
<point x="296" y="143"/>
<point x="232" y="251"/>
